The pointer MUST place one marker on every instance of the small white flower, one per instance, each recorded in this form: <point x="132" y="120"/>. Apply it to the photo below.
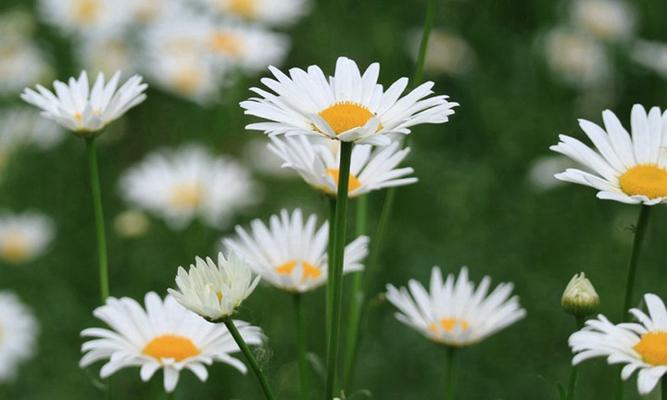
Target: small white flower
<point x="454" y="313"/>
<point x="640" y="346"/>
<point x="318" y="164"/>
<point x="215" y="291"/>
<point x="24" y="237"/>
<point x="88" y="17"/>
<point x="21" y="126"/>
<point x="274" y="12"/>
<point x="83" y="110"/>
<point x="651" y="55"/>
<point x="542" y="171"/>
<point x="625" y="168"/>
<point x="18" y="333"/>
<point x="290" y="253"/>
<point x="447" y="52"/>
<point x="580" y="298"/>
<point x="350" y="106"/>
<point x="605" y="19"/>
<point x="161" y="335"/>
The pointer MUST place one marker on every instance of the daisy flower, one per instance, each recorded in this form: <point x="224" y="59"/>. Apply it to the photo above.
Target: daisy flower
<point x="19" y="332"/>
<point x="318" y="164"/>
<point x="651" y="55"/>
<point x="189" y="183"/>
<point x="273" y="12"/>
<point x="88" y="17"/>
<point x="22" y="126"/>
<point x="163" y="335"/>
<point x="83" y="110"/>
<point x="106" y="54"/>
<point x="626" y="168"/>
<point x="24" y="237"/>
<point x="290" y="253"/>
<point x="454" y="313"/>
<point x="350" y="106"/>
<point x="21" y="63"/>
<point x="215" y="291"/>
<point x="641" y="346"/>
<point x="604" y="19"/>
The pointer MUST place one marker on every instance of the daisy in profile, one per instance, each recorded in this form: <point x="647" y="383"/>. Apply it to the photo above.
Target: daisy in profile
<point x="161" y="335"/>
<point x="350" y="106"/>
<point x="273" y="12"/>
<point x="626" y="168"/>
<point x="290" y="253"/>
<point x="640" y="346"/>
<point x="318" y="164"/>
<point x="24" y="237"/>
<point x="187" y="183"/>
<point x="19" y="330"/>
<point x="88" y="17"/>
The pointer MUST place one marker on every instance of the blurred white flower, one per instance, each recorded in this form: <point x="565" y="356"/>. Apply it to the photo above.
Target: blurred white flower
<point x="161" y="335"/>
<point x="183" y="184"/>
<point x="447" y="52"/>
<point x="273" y="12"/>
<point x="542" y="171"/>
<point x="215" y="291"/>
<point x="131" y="224"/>
<point x="651" y="55"/>
<point x="21" y="63"/>
<point x="605" y="19"/>
<point x="106" y="54"/>
<point x="16" y="23"/>
<point x="24" y="237"/>
<point x="18" y="334"/>
<point x="257" y="155"/>
<point x="22" y="126"/>
<point x="88" y="17"/>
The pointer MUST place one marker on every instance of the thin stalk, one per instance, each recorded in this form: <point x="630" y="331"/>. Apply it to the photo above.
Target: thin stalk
<point x="336" y="279"/>
<point x="301" y="345"/>
<point x="330" y="265"/>
<point x="575" y="369"/>
<point x="99" y="219"/>
<point x="450" y="364"/>
<point x="664" y="388"/>
<point x="423" y="44"/>
<point x="229" y="323"/>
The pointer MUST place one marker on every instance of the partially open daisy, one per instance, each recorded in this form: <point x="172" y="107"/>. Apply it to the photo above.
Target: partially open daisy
<point x="274" y="12"/>
<point x="18" y="332"/>
<point x="24" y="237"/>
<point x="318" y="164"/>
<point x="350" y="106"/>
<point x="83" y="110"/>
<point x="161" y="335"/>
<point x="454" y="312"/>
<point x="290" y="253"/>
<point x="628" y="169"/>
<point x="641" y="346"/>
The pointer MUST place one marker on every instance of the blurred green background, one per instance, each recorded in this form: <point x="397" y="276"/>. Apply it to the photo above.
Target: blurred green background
<point x="473" y="205"/>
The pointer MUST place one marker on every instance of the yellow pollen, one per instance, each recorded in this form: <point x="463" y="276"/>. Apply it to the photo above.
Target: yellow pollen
<point x="648" y="180"/>
<point x="85" y="11"/>
<point x="226" y="43"/>
<point x="309" y="270"/>
<point x="219" y="295"/>
<point x="344" y="116"/>
<point x="653" y="348"/>
<point x="246" y="8"/>
<point x="448" y="325"/>
<point x="15" y="248"/>
<point x="171" y="346"/>
<point x="353" y="184"/>
<point x="186" y="195"/>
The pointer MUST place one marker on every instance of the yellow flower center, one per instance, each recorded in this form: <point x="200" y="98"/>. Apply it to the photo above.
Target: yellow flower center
<point x="344" y="116"/>
<point x="653" y="348"/>
<point x="309" y="270"/>
<point x="187" y="80"/>
<point x="353" y="184"/>
<point x="226" y="44"/>
<point x="171" y="346"/>
<point x="448" y="325"/>
<point x="246" y="8"/>
<point x="86" y="11"/>
<point x="15" y="248"/>
<point x="648" y="180"/>
<point x="186" y="195"/>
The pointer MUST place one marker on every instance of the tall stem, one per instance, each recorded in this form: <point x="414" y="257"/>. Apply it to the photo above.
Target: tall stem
<point x="423" y="45"/>
<point x="330" y="265"/>
<point x="664" y="388"/>
<point x="575" y="369"/>
<point x="301" y="345"/>
<point x="450" y="364"/>
<point x="229" y="323"/>
<point x="99" y="219"/>
<point x="336" y="279"/>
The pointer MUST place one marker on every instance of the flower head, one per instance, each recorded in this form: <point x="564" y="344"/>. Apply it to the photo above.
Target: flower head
<point x="604" y="19"/>
<point x="273" y="12"/>
<point x="18" y="331"/>
<point x="580" y="298"/>
<point x="24" y="237"/>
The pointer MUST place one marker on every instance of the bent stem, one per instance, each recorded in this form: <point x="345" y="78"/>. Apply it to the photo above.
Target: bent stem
<point x="450" y="364"/>
<point x="301" y="345"/>
<point x="335" y="280"/>
<point x="229" y="323"/>
<point x="99" y="218"/>
<point x="575" y="369"/>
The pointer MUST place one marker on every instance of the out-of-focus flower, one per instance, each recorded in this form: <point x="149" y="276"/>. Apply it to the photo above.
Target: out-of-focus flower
<point x="163" y="335"/>
<point x="187" y="183"/>
<point x="83" y="110"/>
<point x="605" y="19"/>
<point x="640" y="346"/>
<point x="106" y="54"/>
<point x="131" y="224"/>
<point x="24" y="237"/>
<point x="317" y="163"/>
<point x="290" y="253"/>
<point x="454" y="313"/>
<point x="257" y="155"/>
<point x="349" y="107"/>
<point x="274" y="12"/>
<point x="21" y="63"/>
<point x="21" y="126"/>
<point x="215" y="291"/>
<point x="18" y="333"/>
<point x="447" y="52"/>
<point x="651" y="55"/>
<point x="628" y="169"/>
<point x="542" y="171"/>
<point x="88" y="17"/>
<point x="580" y="298"/>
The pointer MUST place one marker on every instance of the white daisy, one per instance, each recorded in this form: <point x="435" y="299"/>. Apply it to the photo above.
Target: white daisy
<point x="348" y="106"/>
<point x="83" y="110"/>
<point x="651" y="55"/>
<point x="641" y="346"/>
<point x="22" y="126"/>
<point x="188" y="183"/>
<point x="106" y="54"/>
<point x="454" y="313"/>
<point x="629" y="169"/>
<point x="604" y="19"/>
<point x="163" y="335"/>
<point x="88" y="17"/>
<point x="290" y="253"/>
<point x="24" y="237"/>
<point x="19" y="331"/>
<point x="215" y="291"/>
<point x="22" y="63"/>
<point x="274" y="12"/>
<point x="318" y="164"/>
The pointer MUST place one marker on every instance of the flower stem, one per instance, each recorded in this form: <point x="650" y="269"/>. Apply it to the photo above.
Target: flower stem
<point x="664" y="388"/>
<point x="575" y="369"/>
<point x="423" y="45"/>
<point x="301" y="345"/>
<point x="99" y="219"/>
<point x="330" y="265"/>
<point x="229" y="323"/>
<point x="336" y="279"/>
<point x="450" y="364"/>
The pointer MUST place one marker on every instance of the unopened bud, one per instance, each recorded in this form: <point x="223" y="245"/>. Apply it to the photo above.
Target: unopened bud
<point x="580" y="298"/>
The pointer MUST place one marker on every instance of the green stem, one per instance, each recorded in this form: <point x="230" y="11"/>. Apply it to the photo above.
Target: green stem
<point x="423" y="45"/>
<point x="229" y="323"/>
<point x="336" y="279"/>
<point x="330" y="265"/>
<point x="301" y="345"/>
<point x="575" y="369"/>
<point x="450" y="364"/>
<point x="664" y="388"/>
<point x="99" y="219"/>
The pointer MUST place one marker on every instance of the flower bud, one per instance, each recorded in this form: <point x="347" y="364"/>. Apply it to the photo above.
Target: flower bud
<point x="580" y="298"/>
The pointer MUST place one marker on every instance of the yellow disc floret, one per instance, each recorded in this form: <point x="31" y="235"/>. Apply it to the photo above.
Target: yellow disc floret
<point x="646" y="180"/>
<point x="175" y="347"/>
<point x="653" y="348"/>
